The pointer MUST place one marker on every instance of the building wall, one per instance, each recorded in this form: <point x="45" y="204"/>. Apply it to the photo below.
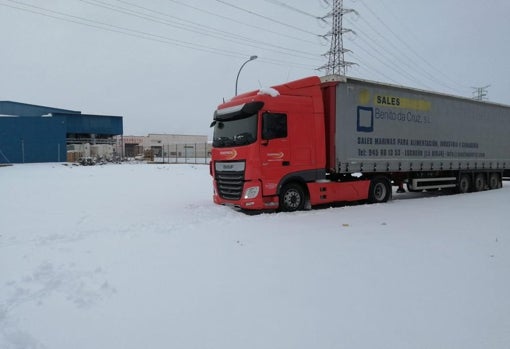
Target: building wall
<point x="35" y="133"/>
<point x="93" y="124"/>
<point x="166" y="139"/>
<point x="32" y="139"/>
<point x="166" y="145"/>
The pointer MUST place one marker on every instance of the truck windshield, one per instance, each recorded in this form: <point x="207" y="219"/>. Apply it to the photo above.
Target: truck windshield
<point x="229" y="133"/>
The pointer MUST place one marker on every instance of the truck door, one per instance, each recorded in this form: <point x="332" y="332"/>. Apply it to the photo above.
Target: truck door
<point x="275" y="150"/>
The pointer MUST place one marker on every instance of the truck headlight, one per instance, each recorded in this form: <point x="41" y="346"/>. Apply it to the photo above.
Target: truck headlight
<point x="251" y="192"/>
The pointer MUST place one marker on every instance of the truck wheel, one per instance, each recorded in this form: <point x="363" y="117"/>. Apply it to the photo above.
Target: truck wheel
<point x="494" y="181"/>
<point x="292" y="197"/>
<point x="380" y="190"/>
<point x="479" y="184"/>
<point x="464" y="185"/>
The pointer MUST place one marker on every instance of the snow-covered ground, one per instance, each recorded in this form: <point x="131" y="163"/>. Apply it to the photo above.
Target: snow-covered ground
<point x="138" y="256"/>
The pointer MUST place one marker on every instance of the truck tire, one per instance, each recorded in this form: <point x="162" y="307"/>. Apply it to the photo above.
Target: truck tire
<point x="479" y="184"/>
<point x="292" y="197"/>
<point x="380" y="190"/>
<point x="494" y="181"/>
<point x="464" y="185"/>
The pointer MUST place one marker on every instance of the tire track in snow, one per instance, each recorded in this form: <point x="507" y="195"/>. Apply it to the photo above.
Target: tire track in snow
<point x="82" y="288"/>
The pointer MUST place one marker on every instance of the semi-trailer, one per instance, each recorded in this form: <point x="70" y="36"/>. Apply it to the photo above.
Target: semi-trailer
<point x="317" y="141"/>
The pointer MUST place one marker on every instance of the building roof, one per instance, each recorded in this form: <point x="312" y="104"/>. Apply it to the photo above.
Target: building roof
<point x="25" y="109"/>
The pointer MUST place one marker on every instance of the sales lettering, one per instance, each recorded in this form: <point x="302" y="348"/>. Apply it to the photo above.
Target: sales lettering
<point x="387" y="100"/>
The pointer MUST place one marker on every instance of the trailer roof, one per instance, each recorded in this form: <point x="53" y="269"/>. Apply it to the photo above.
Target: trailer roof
<point x="347" y="79"/>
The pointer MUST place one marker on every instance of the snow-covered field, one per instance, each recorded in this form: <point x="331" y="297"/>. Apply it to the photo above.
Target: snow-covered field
<point x="138" y="256"/>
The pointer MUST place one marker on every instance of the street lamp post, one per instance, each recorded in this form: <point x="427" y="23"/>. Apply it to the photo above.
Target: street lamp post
<point x="239" y="72"/>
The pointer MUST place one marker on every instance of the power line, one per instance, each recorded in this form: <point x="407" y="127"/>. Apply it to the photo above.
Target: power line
<point x="82" y="21"/>
<point x="415" y="66"/>
<point x="401" y="66"/>
<point x="398" y="56"/>
<point x="396" y="70"/>
<point x="241" y="39"/>
<point x="266" y="17"/>
<point x="411" y="32"/>
<point x="194" y="27"/>
<point x="243" y="23"/>
<point x="134" y="33"/>
<point x="123" y="31"/>
<point x="375" y="72"/>
<point x="292" y="8"/>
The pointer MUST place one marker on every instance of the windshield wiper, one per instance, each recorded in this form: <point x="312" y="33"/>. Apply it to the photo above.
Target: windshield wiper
<point x="223" y="141"/>
<point x="244" y="138"/>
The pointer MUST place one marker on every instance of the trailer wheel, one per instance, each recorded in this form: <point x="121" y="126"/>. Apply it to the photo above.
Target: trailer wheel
<point x="479" y="184"/>
<point x="380" y="190"/>
<point x="464" y="185"/>
<point x="494" y="181"/>
<point x="292" y="197"/>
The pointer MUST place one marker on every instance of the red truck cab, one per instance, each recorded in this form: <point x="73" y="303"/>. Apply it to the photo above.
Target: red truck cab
<point x="270" y="150"/>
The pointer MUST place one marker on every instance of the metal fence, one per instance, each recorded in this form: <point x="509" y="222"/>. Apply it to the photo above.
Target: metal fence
<point x="194" y="153"/>
<point x="27" y="151"/>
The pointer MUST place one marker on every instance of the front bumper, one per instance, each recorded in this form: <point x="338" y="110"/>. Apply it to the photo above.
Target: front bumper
<point x="258" y="202"/>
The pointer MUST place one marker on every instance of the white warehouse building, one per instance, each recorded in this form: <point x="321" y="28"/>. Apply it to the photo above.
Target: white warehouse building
<point x="171" y="146"/>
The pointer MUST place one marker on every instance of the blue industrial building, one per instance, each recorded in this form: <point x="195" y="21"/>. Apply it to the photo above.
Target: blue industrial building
<point x="34" y="133"/>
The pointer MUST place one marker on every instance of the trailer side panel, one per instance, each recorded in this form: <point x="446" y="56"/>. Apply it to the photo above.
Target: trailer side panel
<point x="384" y="128"/>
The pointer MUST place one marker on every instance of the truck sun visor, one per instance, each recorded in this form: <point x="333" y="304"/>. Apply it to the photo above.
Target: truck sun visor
<point x="238" y="112"/>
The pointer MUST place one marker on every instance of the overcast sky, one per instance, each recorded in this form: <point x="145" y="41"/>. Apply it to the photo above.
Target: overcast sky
<point x="165" y="65"/>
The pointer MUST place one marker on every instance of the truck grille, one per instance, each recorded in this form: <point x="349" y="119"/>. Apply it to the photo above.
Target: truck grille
<point x="230" y="179"/>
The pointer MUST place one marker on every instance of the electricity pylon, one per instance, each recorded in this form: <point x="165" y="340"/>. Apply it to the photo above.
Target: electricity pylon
<point x="337" y="65"/>
<point x="480" y="93"/>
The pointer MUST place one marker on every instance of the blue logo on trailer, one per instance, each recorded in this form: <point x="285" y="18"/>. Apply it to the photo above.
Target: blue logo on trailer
<point x="365" y="119"/>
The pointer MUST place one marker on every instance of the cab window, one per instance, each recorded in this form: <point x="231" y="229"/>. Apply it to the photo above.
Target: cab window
<point x="274" y="125"/>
